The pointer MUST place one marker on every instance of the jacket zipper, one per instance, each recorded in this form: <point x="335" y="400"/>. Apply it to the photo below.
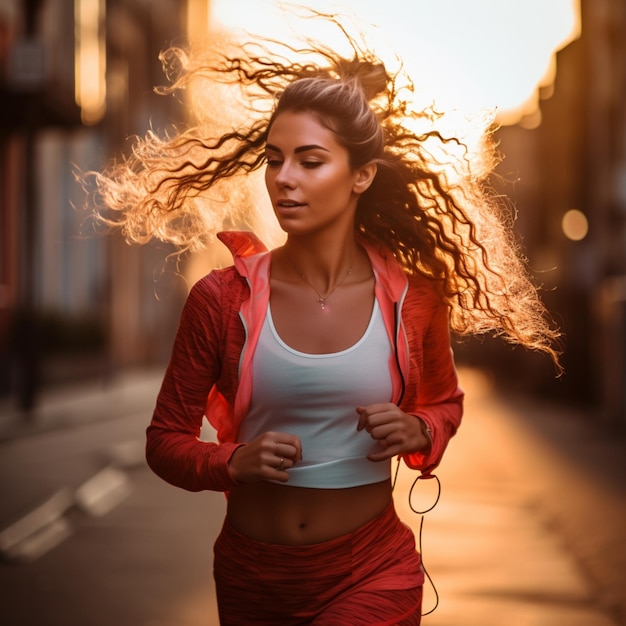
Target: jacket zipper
<point x="396" y="324"/>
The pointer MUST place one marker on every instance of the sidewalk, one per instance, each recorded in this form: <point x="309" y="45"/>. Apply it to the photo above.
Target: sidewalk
<point x="529" y="527"/>
<point x="125" y="394"/>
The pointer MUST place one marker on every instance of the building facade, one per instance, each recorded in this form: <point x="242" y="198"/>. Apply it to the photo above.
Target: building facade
<point x="77" y="78"/>
<point x="573" y="165"/>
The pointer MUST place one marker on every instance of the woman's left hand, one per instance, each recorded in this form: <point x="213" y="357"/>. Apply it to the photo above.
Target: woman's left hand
<point x="396" y="431"/>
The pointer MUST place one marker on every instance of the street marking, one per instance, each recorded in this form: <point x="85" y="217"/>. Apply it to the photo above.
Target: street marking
<point x="127" y="454"/>
<point x="103" y="492"/>
<point x="40" y="542"/>
<point x="47" y="513"/>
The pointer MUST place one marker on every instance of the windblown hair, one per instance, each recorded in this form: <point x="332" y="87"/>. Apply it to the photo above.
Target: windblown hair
<point x="429" y="205"/>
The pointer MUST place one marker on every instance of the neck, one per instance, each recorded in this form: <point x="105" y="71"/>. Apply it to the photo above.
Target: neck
<point x="323" y="266"/>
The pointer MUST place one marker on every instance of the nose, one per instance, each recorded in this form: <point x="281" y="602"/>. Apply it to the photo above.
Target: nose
<point x="284" y="176"/>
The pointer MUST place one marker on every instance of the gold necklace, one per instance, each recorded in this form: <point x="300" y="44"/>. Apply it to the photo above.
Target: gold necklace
<point x="321" y="300"/>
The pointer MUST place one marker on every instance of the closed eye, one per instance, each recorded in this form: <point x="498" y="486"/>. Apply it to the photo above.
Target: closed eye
<point x="273" y="161"/>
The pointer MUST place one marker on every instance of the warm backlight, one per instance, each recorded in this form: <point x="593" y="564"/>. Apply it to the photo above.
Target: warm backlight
<point x="463" y="54"/>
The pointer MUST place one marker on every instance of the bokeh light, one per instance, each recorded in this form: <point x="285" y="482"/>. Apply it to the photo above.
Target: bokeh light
<point x="575" y="225"/>
<point x="90" y="60"/>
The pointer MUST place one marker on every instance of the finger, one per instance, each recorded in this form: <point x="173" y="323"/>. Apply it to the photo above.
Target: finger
<point x="369" y="420"/>
<point x="275" y="461"/>
<point x="384" y="455"/>
<point x="287" y="445"/>
<point x="280" y="470"/>
<point x="292" y="449"/>
<point x="375" y="415"/>
<point x="295" y="442"/>
<point x="362" y="418"/>
<point x="287" y="450"/>
<point x="275" y="468"/>
<point x="282" y="477"/>
<point x="382" y="432"/>
<point x="381" y="407"/>
<point x="277" y="474"/>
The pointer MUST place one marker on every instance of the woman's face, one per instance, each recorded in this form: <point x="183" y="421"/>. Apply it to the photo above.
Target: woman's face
<point x="308" y="176"/>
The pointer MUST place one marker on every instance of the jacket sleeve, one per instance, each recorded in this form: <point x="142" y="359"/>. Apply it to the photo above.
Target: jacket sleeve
<point x="173" y="448"/>
<point x="437" y="397"/>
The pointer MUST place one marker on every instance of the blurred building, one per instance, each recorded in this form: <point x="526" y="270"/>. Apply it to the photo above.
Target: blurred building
<point x="566" y="173"/>
<point x="76" y="81"/>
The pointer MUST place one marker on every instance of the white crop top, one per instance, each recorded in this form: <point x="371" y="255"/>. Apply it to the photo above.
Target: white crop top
<point x="314" y="396"/>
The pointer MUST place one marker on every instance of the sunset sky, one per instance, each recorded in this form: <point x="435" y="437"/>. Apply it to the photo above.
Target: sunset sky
<point x="466" y="55"/>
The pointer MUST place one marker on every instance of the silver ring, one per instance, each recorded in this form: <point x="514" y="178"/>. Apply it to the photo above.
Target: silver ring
<point x="281" y="465"/>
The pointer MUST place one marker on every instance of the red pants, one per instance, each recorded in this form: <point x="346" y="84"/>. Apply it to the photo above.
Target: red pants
<point x="370" y="576"/>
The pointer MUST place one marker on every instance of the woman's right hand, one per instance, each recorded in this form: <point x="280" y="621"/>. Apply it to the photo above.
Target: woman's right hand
<point x="267" y="457"/>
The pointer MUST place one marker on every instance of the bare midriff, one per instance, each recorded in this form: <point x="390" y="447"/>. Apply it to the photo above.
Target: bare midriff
<point x="275" y="513"/>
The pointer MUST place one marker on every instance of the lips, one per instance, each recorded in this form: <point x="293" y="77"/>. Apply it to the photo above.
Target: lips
<point x="288" y="204"/>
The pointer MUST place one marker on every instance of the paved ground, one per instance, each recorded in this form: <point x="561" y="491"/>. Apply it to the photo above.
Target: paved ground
<point x="530" y="525"/>
<point x="528" y="530"/>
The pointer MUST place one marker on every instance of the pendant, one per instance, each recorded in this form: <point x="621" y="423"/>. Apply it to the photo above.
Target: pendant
<point x="322" y="303"/>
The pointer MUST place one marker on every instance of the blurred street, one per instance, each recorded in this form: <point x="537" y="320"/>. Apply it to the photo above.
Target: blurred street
<point x="528" y="531"/>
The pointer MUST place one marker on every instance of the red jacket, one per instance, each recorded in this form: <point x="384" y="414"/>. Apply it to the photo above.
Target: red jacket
<point x="210" y="369"/>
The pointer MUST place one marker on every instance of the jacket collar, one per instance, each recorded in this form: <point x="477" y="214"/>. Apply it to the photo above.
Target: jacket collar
<point x="389" y="275"/>
<point x="250" y="256"/>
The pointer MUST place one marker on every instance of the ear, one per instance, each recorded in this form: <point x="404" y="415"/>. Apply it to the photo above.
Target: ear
<point x="364" y="177"/>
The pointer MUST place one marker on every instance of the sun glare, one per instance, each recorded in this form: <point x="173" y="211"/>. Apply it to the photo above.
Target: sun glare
<point x="470" y="56"/>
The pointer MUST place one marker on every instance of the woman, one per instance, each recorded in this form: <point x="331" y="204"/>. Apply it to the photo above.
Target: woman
<point x="321" y="360"/>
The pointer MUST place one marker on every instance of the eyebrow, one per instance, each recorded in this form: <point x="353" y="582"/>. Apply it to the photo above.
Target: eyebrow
<point x="299" y="149"/>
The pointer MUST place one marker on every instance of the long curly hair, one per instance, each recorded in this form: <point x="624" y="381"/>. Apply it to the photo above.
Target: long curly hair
<point x="430" y="204"/>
